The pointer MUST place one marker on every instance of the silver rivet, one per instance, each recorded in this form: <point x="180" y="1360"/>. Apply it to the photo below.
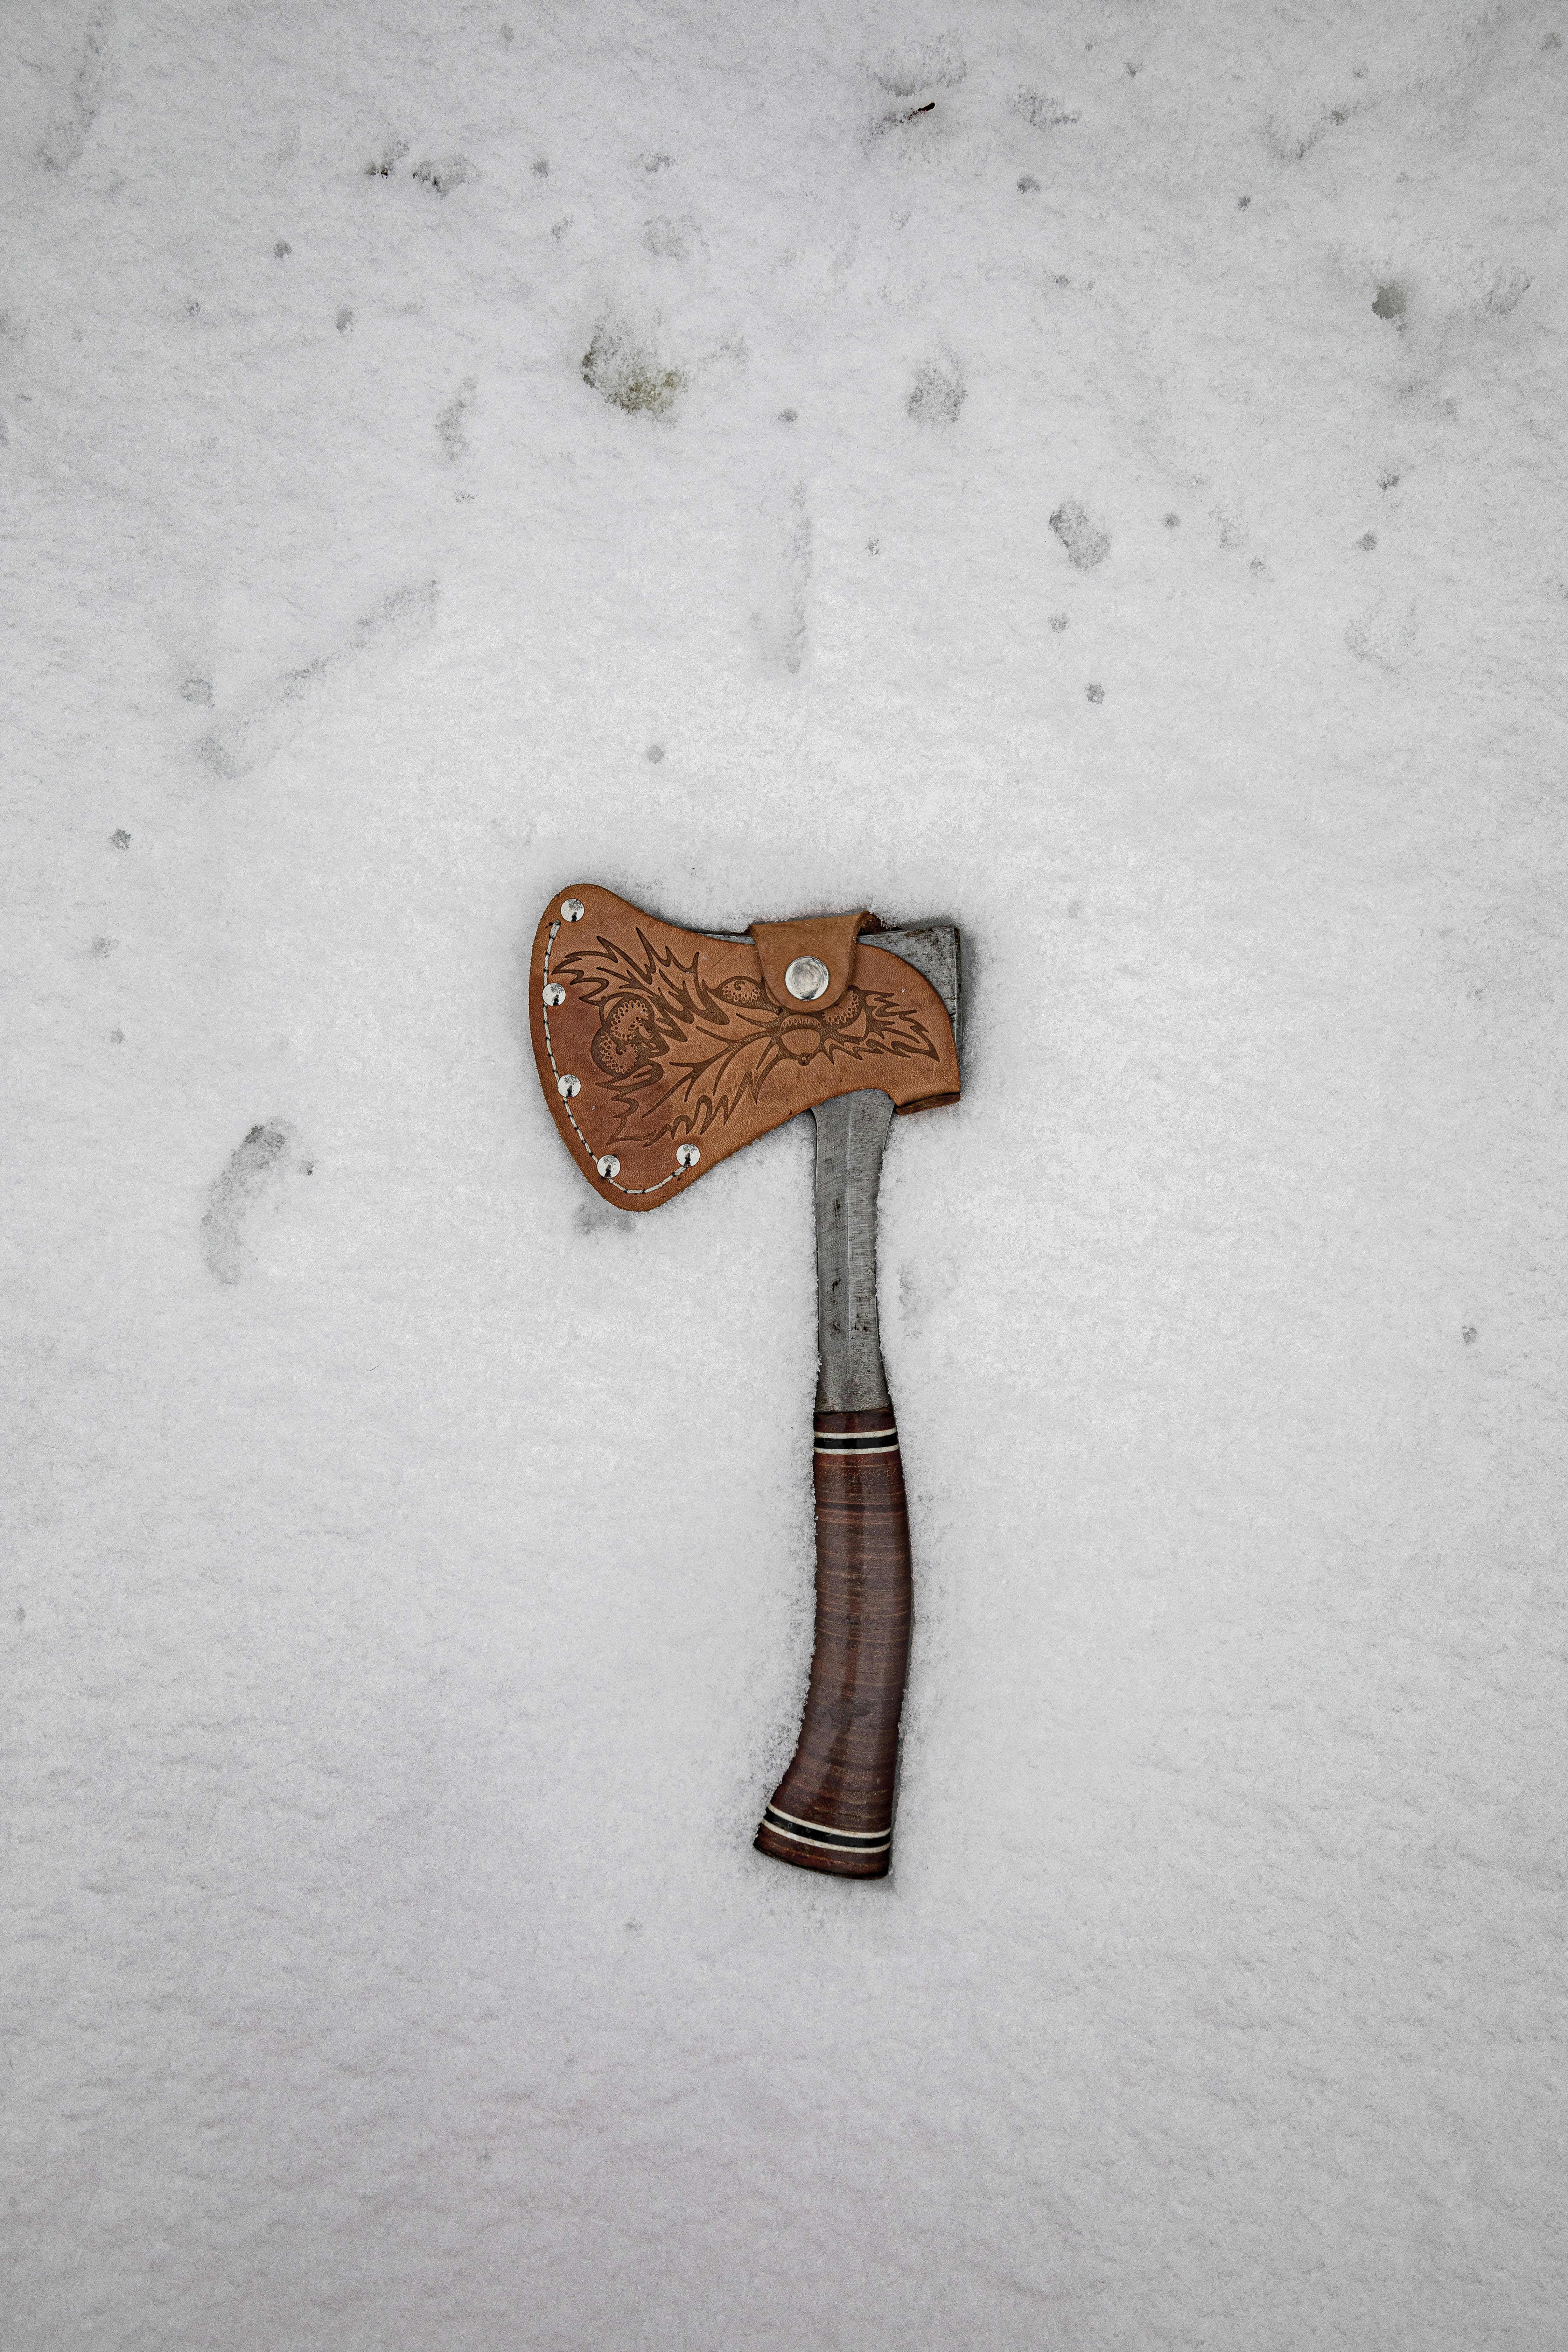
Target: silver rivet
<point x="553" y="992"/>
<point x="567" y="1087"/>
<point x="571" y="910"/>
<point x="609" y="1165"/>
<point x="807" y="977"/>
<point x="687" y="1155"/>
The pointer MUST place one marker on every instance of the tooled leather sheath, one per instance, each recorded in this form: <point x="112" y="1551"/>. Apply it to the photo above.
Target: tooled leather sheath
<point x="662" y="1051"/>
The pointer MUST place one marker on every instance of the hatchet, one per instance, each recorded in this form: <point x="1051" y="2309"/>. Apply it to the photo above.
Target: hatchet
<point x="661" y="1052"/>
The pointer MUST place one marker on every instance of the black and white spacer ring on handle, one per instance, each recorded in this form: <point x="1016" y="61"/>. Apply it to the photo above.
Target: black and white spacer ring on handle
<point x="812" y="1833"/>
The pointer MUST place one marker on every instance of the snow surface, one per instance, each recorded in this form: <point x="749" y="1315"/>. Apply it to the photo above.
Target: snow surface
<point x="455" y="450"/>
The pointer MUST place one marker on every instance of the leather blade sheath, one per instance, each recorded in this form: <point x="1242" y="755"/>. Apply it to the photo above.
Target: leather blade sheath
<point x="662" y="1051"/>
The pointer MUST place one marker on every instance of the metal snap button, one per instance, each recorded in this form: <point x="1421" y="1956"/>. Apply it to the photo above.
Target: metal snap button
<point x="807" y="977"/>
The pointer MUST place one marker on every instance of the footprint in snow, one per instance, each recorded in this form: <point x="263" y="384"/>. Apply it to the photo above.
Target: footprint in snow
<point x="936" y="64"/>
<point x="780" y="618"/>
<point x="449" y="424"/>
<point x="444" y="173"/>
<point x="1506" y="291"/>
<point x="1086" y="544"/>
<point x="623" y="366"/>
<point x="672" y="240"/>
<point x="592" y="1217"/>
<point x="1040" y="113"/>
<point x="393" y="628"/>
<point x="249" y="1186"/>
<point x="66" y="137"/>
<point x="937" y="393"/>
<point x="1384" y="637"/>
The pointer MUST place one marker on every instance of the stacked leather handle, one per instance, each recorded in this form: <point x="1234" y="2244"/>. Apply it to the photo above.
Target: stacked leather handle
<point x="833" y="1811"/>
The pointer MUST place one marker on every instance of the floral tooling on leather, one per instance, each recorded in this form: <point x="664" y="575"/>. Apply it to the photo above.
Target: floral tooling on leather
<point x="681" y="1057"/>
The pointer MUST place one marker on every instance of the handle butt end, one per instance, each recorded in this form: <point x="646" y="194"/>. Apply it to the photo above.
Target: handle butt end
<point x="812" y="1845"/>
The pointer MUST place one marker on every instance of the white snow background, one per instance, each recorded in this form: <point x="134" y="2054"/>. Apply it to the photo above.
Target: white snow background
<point x="409" y="1600"/>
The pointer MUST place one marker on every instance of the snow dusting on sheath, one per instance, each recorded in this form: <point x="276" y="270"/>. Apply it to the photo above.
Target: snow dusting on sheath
<point x="1093" y="473"/>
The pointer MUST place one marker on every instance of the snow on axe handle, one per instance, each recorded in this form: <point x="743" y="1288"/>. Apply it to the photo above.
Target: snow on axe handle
<point x="661" y="1052"/>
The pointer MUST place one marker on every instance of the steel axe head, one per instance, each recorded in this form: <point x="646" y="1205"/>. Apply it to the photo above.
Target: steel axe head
<point x="662" y="1051"/>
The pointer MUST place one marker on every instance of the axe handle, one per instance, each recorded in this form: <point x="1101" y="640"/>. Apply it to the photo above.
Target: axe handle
<point x="833" y="1811"/>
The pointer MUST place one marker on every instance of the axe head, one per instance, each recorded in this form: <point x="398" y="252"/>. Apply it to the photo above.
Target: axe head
<point x="662" y="1051"/>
